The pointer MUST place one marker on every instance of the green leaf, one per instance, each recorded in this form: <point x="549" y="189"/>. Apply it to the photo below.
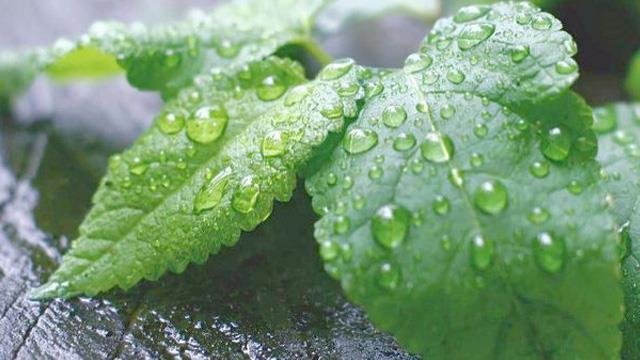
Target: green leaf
<point x="339" y="14"/>
<point x="467" y="221"/>
<point x="165" y="58"/>
<point x="618" y="126"/>
<point x="211" y="166"/>
<point x="633" y="77"/>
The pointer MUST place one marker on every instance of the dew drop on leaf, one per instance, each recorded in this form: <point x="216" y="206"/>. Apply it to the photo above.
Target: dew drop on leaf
<point x="390" y="226"/>
<point x="329" y="250"/>
<point x="271" y="88"/>
<point x="296" y="95"/>
<point x="228" y="49"/>
<point x="549" y="252"/>
<point x="476" y="160"/>
<point x="538" y="215"/>
<point x="394" y="116"/>
<point x="375" y="172"/>
<point x="417" y="62"/>
<point x="542" y="22"/>
<point x="539" y="169"/>
<point x="575" y="187"/>
<point x="207" y="124"/>
<point x="170" y="122"/>
<point x="470" y="13"/>
<point x="341" y="225"/>
<point x="388" y="276"/>
<point x="566" y="67"/>
<point x="480" y="130"/>
<point x="556" y="144"/>
<point x="246" y="195"/>
<point x="211" y="194"/>
<point x="334" y="111"/>
<point x="455" y="76"/>
<point x="518" y="53"/>
<point x="404" y="142"/>
<point x="138" y="167"/>
<point x="274" y="143"/>
<point x="336" y="69"/>
<point x="441" y="205"/>
<point x="437" y="148"/>
<point x="447" y="111"/>
<point x="604" y="120"/>
<point x="359" y="140"/>
<point x="491" y="197"/>
<point x="474" y="34"/>
<point x="482" y="251"/>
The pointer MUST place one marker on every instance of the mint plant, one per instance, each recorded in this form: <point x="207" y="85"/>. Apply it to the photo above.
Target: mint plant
<point x="465" y="200"/>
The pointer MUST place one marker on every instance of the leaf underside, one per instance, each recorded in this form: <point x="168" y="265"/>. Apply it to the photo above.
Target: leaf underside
<point x="472" y="224"/>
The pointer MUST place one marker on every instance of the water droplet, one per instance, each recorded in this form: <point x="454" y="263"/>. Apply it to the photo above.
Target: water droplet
<point x="542" y="22"/>
<point x="341" y="225"/>
<point x="539" y="169"/>
<point x="271" y="88"/>
<point x="375" y="172"/>
<point x="422" y="107"/>
<point x="523" y="18"/>
<point x="228" y="49"/>
<point x="538" y="215"/>
<point x="455" y="76"/>
<point x="622" y="137"/>
<point x="170" y="122"/>
<point x="348" y="89"/>
<point x="557" y="144"/>
<point x="437" y="147"/>
<point x="417" y="62"/>
<point x="332" y="179"/>
<point x="359" y="140"/>
<point x="447" y="111"/>
<point x="372" y="89"/>
<point x="476" y="160"/>
<point x="329" y="250"/>
<point x="211" y="194"/>
<point x="566" y="67"/>
<point x="388" y="276"/>
<point x="456" y="177"/>
<point x="334" y="111"/>
<point x="390" y="226"/>
<point x="570" y="47"/>
<point x="482" y="251"/>
<point x="246" y="196"/>
<point x="274" y="143"/>
<point x="394" y="116"/>
<point x="474" y="34"/>
<point x="604" y="120"/>
<point x="549" y="252"/>
<point x="491" y="197"/>
<point x="441" y="205"/>
<point x="297" y="94"/>
<point x="469" y="13"/>
<point x="518" y="53"/>
<point x="336" y="69"/>
<point x="575" y="187"/>
<point x="404" y="142"/>
<point x="207" y="124"/>
<point x="138" y="167"/>
<point x="480" y="130"/>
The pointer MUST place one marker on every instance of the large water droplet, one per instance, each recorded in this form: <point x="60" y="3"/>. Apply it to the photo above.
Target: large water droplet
<point x="491" y="197"/>
<point x="207" y="124"/>
<point x="394" y="116"/>
<point x="482" y="251"/>
<point x="388" y="276"/>
<point x="417" y="62"/>
<point x="518" y="53"/>
<point x="271" y="88"/>
<point x="211" y="194"/>
<point x="556" y="144"/>
<point x="336" y="69"/>
<point x="246" y="196"/>
<point x="359" y="140"/>
<point x="390" y="226"/>
<point x="474" y="34"/>
<point x="274" y="143"/>
<point x="170" y="122"/>
<point x="437" y="147"/>
<point x="566" y="67"/>
<point x="469" y="13"/>
<point x="455" y="76"/>
<point x="549" y="252"/>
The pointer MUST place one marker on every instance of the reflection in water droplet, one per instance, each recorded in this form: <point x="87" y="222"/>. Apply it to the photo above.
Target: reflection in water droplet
<point x="341" y="225"/>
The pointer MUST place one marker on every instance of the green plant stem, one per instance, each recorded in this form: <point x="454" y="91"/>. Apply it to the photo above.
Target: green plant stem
<point x="316" y="51"/>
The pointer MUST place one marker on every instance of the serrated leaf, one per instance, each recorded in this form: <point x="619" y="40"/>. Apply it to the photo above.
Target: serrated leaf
<point x="210" y="167"/>
<point x="165" y="58"/>
<point x="474" y="225"/>
<point x="633" y="77"/>
<point x="618" y="126"/>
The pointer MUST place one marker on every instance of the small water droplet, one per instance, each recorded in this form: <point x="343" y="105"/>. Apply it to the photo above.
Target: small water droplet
<point x="332" y="179"/>
<point x="469" y="13"/>
<point x="441" y="205"/>
<point x="334" y="111"/>
<point x="456" y="177"/>
<point x="207" y="124"/>
<point x="375" y="172"/>
<point x="228" y="49"/>
<point x="538" y="215"/>
<point x="341" y="225"/>
<point x="474" y="34"/>
<point x="390" y="225"/>
<point x="480" y="130"/>
<point x="447" y="111"/>
<point x="246" y="196"/>
<point x="211" y="194"/>
<point x="359" y="140"/>
<point x="271" y="88"/>
<point x="394" y="116"/>
<point x="455" y="76"/>
<point x="482" y="251"/>
<point x="372" y="89"/>
<point x="518" y="53"/>
<point x="138" y="167"/>
<point x="549" y="252"/>
<point x="476" y="160"/>
<point x="336" y="69"/>
<point x="274" y="143"/>
<point x="556" y="144"/>
<point x="542" y="22"/>
<point x="347" y="89"/>
<point x="566" y="67"/>
<point x="417" y="62"/>
<point x="388" y="276"/>
<point x="575" y="187"/>
<point x="539" y="169"/>
<point x="404" y="142"/>
<point x="491" y="197"/>
<point x="604" y="120"/>
<point x="437" y="147"/>
<point x="297" y="94"/>
<point x="329" y="250"/>
<point x="170" y="122"/>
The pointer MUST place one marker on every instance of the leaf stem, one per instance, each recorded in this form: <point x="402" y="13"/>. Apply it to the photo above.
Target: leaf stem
<point x="316" y="51"/>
